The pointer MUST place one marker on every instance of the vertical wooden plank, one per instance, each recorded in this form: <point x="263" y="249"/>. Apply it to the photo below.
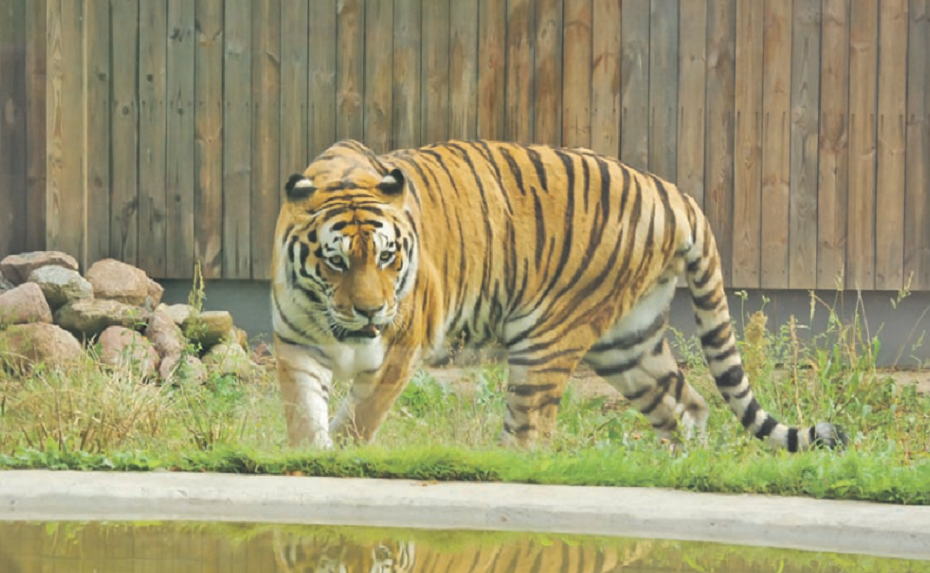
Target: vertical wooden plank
<point x="576" y="85"/>
<point x="322" y="70"/>
<point x="350" y="69"/>
<point x="834" y="139"/>
<point x="805" y="103"/>
<point x="663" y="88"/>
<point x="521" y="15"/>
<point x="13" y="221"/>
<point x="435" y="70"/>
<point x="36" y="36"/>
<point x="548" y="73"/>
<point x="153" y="69"/>
<point x="124" y="118"/>
<point x="407" y="14"/>
<point x="692" y="64"/>
<point x="492" y="34"/>
<point x="294" y="108"/>
<point x="379" y="74"/>
<point x="863" y="44"/>
<point x="66" y="210"/>
<point x="605" y="76"/>
<point x="634" y="82"/>
<point x="267" y="184"/>
<point x="179" y="224"/>
<point x="236" y="141"/>
<point x="463" y="71"/>
<point x="718" y="170"/>
<point x="917" y="162"/>
<point x="776" y="162"/>
<point x="892" y="105"/>
<point x="100" y="115"/>
<point x="747" y="168"/>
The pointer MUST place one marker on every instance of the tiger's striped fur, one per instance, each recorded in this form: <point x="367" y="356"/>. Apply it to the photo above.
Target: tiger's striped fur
<point x="561" y="255"/>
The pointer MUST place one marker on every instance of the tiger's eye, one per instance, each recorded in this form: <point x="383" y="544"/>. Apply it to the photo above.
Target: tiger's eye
<point x="336" y="261"/>
<point x="386" y="256"/>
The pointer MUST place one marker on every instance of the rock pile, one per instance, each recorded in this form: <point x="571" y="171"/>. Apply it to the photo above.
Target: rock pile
<point x="47" y="310"/>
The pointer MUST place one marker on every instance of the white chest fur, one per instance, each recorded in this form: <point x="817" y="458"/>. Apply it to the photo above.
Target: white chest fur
<point x="350" y="359"/>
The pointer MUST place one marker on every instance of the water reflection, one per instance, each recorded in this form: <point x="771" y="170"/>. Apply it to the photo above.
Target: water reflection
<point x="206" y="548"/>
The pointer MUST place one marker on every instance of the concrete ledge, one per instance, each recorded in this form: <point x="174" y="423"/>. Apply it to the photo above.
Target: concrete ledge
<point x="821" y="525"/>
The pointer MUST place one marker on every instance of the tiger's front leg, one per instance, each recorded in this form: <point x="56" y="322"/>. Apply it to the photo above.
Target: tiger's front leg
<point x="371" y="397"/>
<point x="305" y="385"/>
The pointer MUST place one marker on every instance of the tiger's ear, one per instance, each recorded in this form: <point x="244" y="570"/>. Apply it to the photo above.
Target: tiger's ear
<point x="393" y="183"/>
<point x="298" y="187"/>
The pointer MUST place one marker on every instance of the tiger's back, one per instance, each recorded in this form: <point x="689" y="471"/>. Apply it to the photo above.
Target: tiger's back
<point x="561" y="256"/>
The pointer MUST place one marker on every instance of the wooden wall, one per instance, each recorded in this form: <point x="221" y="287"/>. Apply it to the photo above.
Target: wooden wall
<point x="160" y="132"/>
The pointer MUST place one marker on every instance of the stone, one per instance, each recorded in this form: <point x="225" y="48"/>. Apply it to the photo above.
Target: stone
<point x="228" y="359"/>
<point x="166" y="336"/>
<point x="239" y="336"/>
<point x="179" y="313"/>
<point x="60" y="285"/>
<point x="25" y="345"/>
<point x="155" y="292"/>
<point x="189" y="369"/>
<point x="17" y="268"/>
<point x="208" y="328"/>
<point x="90" y="317"/>
<point x="24" y="304"/>
<point x="5" y="285"/>
<point x="115" y="280"/>
<point x="122" y="347"/>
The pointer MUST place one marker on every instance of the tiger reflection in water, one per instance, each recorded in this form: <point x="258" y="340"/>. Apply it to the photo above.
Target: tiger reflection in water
<point x="295" y="554"/>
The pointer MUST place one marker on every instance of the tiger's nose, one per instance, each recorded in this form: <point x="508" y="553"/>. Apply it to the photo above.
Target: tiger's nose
<point x="369" y="312"/>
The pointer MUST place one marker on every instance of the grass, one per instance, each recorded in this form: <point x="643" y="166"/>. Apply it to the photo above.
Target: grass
<point x="95" y="418"/>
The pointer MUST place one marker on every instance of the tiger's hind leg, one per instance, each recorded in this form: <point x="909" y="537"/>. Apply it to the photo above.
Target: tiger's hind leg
<point x="539" y="369"/>
<point x="635" y="358"/>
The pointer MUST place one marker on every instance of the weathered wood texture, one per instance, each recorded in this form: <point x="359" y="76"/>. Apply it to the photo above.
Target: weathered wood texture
<point x="161" y="132"/>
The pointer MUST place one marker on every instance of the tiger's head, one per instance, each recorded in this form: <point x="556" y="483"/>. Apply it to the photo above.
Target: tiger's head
<point x="348" y="244"/>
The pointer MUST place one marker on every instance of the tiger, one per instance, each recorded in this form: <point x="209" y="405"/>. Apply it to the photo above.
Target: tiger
<point x="561" y="256"/>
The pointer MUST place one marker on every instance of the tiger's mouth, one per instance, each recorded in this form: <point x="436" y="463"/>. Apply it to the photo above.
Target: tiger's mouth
<point x="367" y="332"/>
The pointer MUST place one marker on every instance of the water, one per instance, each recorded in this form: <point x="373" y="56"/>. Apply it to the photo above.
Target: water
<point x="101" y="547"/>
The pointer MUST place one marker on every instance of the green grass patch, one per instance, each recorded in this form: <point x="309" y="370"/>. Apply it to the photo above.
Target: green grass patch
<point x="94" y="418"/>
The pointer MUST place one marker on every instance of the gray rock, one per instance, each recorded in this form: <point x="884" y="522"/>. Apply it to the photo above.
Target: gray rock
<point x="5" y="285"/>
<point x="24" y="304"/>
<point x="122" y="347"/>
<point x="164" y="334"/>
<point x="155" y="292"/>
<point x="60" y="285"/>
<point x="187" y="370"/>
<point x="179" y="313"/>
<point x="30" y="344"/>
<point x="17" y="268"/>
<point x="228" y="359"/>
<point x="208" y="328"/>
<point x="90" y="317"/>
<point x="115" y="280"/>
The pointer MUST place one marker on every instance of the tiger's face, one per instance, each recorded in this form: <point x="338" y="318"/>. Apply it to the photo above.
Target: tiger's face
<point x="349" y="248"/>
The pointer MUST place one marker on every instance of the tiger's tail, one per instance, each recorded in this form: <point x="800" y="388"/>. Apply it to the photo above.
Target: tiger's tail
<point x="705" y="282"/>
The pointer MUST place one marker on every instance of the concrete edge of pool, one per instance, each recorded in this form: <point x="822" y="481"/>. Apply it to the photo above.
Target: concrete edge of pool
<point x="819" y="525"/>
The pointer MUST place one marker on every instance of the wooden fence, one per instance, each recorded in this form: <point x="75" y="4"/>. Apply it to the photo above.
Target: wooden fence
<point x="160" y="132"/>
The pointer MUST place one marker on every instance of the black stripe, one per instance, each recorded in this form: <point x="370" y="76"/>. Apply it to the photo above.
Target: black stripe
<point x="716" y="337"/>
<point x="524" y="390"/>
<point x="539" y="166"/>
<point x="767" y="426"/>
<point x="731" y="378"/>
<point x="616" y="369"/>
<point x="792" y="440"/>
<point x="707" y="302"/>
<point x="749" y="416"/>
